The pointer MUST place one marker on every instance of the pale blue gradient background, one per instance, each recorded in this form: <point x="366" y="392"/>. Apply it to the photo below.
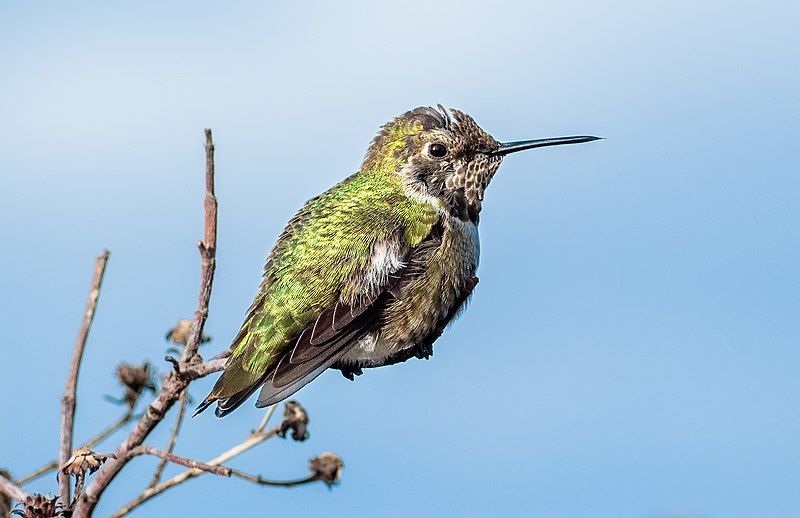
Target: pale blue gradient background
<point x="632" y="349"/>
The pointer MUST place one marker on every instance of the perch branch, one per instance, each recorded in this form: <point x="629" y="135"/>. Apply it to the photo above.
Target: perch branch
<point x="175" y="383"/>
<point x="68" y="401"/>
<point x="203" y="369"/>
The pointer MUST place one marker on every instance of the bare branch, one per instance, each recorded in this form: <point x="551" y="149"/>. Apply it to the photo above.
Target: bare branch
<point x="174" y="383"/>
<point x="223" y="354"/>
<point x="173" y="438"/>
<point x="211" y="366"/>
<point x="41" y="471"/>
<point x="11" y="490"/>
<point x="183" y="461"/>
<point x="91" y="443"/>
<point x="253" y="440"/>
<point x="172" y="387"/>
<point x="176" y="365"/>
<point x="262" y="425"/>
<point x="258" y="479"/>
<point x="208" y="248"/>
<point x="325" y="467"/>
<point x="68" y="401"/>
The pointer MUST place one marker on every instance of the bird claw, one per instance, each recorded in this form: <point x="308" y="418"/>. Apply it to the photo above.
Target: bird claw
<point x="424" y="352"/>
<point x="351" y="372"/>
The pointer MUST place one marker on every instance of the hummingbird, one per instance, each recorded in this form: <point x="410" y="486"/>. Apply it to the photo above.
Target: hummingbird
<point x="370" y="272"/>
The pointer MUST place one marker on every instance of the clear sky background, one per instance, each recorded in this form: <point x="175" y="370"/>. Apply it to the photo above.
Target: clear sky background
<point x="632" y="348"/>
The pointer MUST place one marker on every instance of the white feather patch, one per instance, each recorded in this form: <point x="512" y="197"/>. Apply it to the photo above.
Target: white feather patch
<point x="386" y="260"/>
<point x="414" y="189"/>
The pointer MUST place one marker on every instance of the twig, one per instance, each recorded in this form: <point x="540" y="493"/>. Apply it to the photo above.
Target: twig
<point x="68" y="401"/>
<point x="223" y="354"/>
<point x="174" y="383"/>
<point x="91" y="443"/>
<point x="172" y="387"/>
<point x="176" y="365"/>
<point x="204" y="369"/>
<point x="11" y="490"/>
<point x="264" y="420"/>
<point x="215" y="364"/>
<point x="208" y="248"/>
<point x="254" y="439"/>
<point x="173" y="438"/>
<point x="183" y="461"/>
<point x="44" y="470"/>
<point x="257" y="479"/>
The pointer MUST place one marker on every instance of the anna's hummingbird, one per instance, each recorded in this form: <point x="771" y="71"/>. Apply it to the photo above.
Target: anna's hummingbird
<point x="370" y="272"/>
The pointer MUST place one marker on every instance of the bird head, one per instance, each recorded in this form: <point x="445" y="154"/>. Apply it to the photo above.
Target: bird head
<point x="445" y="158"/>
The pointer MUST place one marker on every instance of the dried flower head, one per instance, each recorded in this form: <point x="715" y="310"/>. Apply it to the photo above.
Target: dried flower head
<point x="295" y="418"/>
<point x="180" y="333"/>
<point x="84" y="459"/>
<point x="135" y="380"/>
<point x="40" y="506"/>
<point x="327" y="467"/>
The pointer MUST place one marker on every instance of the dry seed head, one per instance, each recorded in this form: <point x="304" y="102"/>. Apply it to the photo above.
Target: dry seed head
<point x="84" y="459"/>
<point x="39" y="506"/>
<point x="180" y="333"/>
<point x="295" y="418"/>
<point x="327" y="467"/>
<point x="134" y="378"/>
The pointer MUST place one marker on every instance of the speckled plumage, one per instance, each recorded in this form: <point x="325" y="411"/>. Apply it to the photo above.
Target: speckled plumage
<point x="371" y="271"/>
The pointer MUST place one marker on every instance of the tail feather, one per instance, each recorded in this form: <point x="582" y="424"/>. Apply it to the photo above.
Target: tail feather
<point x="227" y="405"/>
<point x="234" y="387"/>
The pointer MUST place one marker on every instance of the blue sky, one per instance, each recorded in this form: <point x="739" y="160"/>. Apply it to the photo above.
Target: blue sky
<point x="632" y="348"/>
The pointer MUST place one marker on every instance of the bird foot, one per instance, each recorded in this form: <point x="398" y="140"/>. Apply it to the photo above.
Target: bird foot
<point x="423" y="352"/>
<point x="351" y="372"/>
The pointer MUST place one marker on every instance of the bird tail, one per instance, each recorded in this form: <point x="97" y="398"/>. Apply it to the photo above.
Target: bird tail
<point x="232" y="389"/>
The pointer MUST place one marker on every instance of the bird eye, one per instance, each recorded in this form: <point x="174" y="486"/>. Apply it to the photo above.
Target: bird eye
<point x="437" y="150"/>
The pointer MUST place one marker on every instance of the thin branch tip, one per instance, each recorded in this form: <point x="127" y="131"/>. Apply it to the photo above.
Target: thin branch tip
<point x="69" y="399"/>
<point x="176" y="365"/>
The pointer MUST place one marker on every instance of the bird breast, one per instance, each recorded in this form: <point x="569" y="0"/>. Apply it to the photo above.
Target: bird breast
<point x="446" y="270"/>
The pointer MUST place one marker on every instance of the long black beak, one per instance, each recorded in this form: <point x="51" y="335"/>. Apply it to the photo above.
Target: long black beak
<point x="521" y="145"/>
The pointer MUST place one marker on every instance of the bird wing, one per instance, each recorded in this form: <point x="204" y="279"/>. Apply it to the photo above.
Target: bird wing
<point x="335" y="331"/>
<point x="319" y="345"/>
